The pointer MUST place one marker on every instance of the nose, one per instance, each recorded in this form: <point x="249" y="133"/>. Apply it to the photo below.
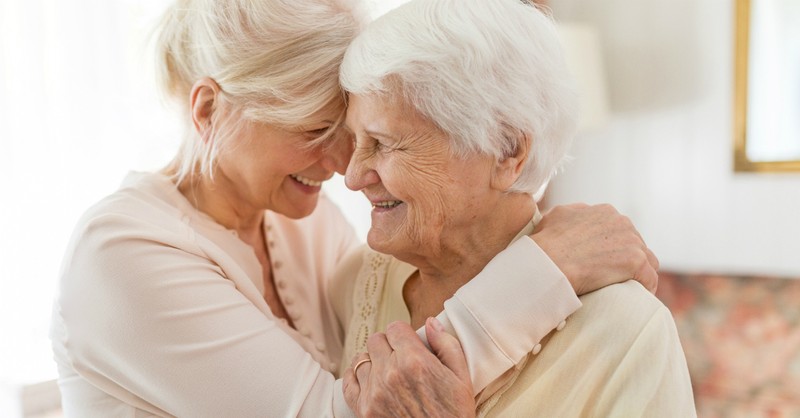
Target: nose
<point x="337" y="154"/>
<point x="360" y="172"/>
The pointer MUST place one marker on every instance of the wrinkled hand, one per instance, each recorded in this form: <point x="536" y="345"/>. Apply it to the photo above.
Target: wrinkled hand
<point x="595" y="246"/>
<point x="404" y="379"/>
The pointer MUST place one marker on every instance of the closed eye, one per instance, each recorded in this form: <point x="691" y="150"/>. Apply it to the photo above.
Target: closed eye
<point x="317" y="132"/>
<point x="391" y="147"/>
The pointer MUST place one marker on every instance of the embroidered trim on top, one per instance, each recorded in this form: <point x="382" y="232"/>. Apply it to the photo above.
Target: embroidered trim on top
<point x="366" y="298"/>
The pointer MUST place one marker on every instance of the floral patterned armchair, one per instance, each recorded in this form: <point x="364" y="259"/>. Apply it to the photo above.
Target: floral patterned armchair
<point x="741" y="336"/>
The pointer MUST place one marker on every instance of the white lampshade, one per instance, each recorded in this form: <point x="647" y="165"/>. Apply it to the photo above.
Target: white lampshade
<point x="585" y="60"/>
<point x="379" y="7"/>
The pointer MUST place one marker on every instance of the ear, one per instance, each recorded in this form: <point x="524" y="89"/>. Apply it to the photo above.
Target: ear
<point x="508" y="168"/>
<point x="202" y="100"/>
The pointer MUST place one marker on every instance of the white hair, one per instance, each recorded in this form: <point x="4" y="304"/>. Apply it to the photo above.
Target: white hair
<point x="488" y="73"/>
<point x="275" y="61"/>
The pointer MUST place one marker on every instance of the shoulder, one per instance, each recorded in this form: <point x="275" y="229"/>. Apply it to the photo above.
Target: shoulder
<point x="130" y="216"/>
<point x="143" y="199"/>
<point x="621" y="299"/>
<point x="622" y="311"/>
<point x="621" y="324"/>
<point x="139" y="206"/>
<point x="623" y="345"/>
<point x="122" y="238"/>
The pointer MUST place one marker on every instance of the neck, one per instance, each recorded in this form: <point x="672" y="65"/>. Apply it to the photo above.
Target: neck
<point x="463" y="255"/>
<point x="219" y="201"/>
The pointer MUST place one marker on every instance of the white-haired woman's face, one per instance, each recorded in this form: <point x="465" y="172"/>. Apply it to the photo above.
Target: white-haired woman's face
<point x="420" y="193"/>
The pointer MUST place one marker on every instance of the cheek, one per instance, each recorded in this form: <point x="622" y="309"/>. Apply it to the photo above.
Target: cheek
<point x="289" y="160"/>
<point x="418" y="183"/>
<point x="423" y="187"/>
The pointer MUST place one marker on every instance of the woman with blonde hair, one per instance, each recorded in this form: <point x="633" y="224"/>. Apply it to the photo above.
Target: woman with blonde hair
<point x="202" y="289"/>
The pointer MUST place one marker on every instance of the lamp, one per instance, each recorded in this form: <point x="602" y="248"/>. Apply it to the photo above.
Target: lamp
<point x="582" y="52"/>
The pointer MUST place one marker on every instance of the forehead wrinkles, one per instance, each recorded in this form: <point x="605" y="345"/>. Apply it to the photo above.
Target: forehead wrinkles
<point x="383" y="111"/>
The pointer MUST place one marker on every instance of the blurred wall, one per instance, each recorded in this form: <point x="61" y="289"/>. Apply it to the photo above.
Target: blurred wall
<point x="665" y="156"/>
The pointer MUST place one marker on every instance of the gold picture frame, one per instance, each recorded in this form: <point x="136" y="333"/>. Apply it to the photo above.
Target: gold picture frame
<point x="742" y="162"/>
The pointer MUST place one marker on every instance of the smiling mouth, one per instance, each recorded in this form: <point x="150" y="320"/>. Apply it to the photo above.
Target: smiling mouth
<point x="306" y="181"/>
<point x="387" y="204"/>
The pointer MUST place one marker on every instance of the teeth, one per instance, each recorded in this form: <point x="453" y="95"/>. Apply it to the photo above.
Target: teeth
<point x="306" y="181"/>
<point x="387" y="204"/>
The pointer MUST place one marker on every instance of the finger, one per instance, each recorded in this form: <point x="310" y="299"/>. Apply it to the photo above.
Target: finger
<point x="448" y="349"/>
<point x="647" y="276"/>
<point x="571" y="207"/>
<point x="361" y="367"/>
<point x="362" y="372"/>
<point x="651" y="257"/>
<point x="357" y="358"/>
<point x="378" y="348"/>
<point x="351" y="388"/>
<point x="401" y="337"/>
<point x="576" y="205"/>
<point x="628" y="226"/>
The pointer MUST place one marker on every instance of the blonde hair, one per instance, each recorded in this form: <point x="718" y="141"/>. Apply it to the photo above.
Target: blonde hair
<point x="489" y="73"/>
<point x="275" y="61"/>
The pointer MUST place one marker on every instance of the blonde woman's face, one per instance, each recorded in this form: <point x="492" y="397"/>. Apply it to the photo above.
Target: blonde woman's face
<point x="421" y="194"/>
<point x="273" y="168"/>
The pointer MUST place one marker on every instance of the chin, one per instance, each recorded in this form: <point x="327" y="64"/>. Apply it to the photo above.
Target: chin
<point x="377" y="241"/>
<point x="393" y="243"/>
<point x="295" y="212"/>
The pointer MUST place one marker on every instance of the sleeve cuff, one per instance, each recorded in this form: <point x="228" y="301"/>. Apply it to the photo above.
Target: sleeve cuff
<point x="340" y="408"/>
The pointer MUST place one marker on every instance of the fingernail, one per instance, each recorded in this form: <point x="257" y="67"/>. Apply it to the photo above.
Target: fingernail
<point x="436" y="324"/>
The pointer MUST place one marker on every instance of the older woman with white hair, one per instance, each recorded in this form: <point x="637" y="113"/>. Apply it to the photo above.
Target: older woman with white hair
<point x="461" y="110"/>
